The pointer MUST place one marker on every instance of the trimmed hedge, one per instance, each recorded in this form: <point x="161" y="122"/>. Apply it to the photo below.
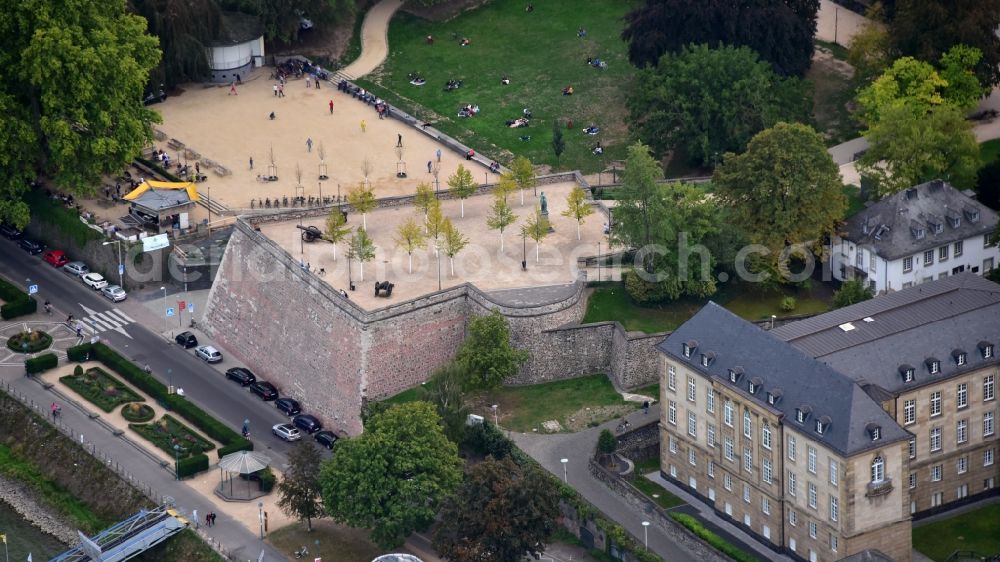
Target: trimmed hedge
<point x="41" y="363"/>
<point x="16" y="302"/>
<point x="267" y="480"/>
<point x="241" y="445"/>
<point x="192" y="465"/>
<point x="78" y="353"/>
<point x="717" y="542"/>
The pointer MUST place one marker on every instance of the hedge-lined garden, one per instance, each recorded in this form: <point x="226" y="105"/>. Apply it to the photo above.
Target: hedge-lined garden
<point x="202" y="421"/>
<point x="99" y="388"/>
<point x="16" y="302"/>
<point x="172" y="437"/>
<point x="29" y="342"/>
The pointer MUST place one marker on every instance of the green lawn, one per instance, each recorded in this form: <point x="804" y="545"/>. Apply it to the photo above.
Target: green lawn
<point x="855" y="202"/>
<point x="657" y="493"/>
<point x="977" y="530"/>
<point x="328" y="541"/>
<point x="989" y="151"/>
<point x="168" y="432"/>
<point x="540" y="53"/>
<point x="613" y="303"/>
<point x="101" y="389"/>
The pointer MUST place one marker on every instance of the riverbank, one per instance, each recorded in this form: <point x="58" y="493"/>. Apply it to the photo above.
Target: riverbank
<point x="22" y="500"/>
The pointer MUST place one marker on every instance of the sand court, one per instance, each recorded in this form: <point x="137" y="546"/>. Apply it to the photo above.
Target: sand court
<point x="231" y="129"/>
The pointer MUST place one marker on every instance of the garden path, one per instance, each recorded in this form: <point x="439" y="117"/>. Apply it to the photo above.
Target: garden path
<point x="374" y="41"/>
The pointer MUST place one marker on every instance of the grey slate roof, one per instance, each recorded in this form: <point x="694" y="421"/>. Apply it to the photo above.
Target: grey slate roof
<point x="886" y="226"/>
<point x="907" y="327"/>
<point x="802" y="380"/>
<point x="162" y="199"/>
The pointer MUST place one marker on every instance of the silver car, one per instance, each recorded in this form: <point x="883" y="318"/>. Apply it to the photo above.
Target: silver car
<point x="114" y="293"/>
<point x="286" y="432"/>
<point x="76" y="268"/>
<point x="208" y="353"/>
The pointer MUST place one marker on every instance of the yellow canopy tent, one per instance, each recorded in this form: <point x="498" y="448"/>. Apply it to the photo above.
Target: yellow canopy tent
<point x="152" y="185"/>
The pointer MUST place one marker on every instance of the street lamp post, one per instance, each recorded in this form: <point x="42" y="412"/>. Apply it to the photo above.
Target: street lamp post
<point x="565" y="474"/>
<point x="170" y="381"/>
<point x="496" y="420"/>
<point x="260" y="517"/>
<point x="121" y="269"/>
<point x="645" y="535"/>
<point x="209" y="207"/>
<point x="177" y="452"/>
<point x="164" y="289"/>
<point x="524" y="252"/>
<point x="772" y="321"/>
<point x="437" y="250"/>
<point x="598" y="262"/>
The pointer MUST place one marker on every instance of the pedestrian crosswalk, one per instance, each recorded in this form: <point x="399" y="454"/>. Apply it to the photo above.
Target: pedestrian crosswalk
<point x="109" y="320"/>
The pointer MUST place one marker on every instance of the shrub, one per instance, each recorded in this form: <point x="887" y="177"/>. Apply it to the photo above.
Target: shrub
<point x="240" y="445"/>
<point x="642" y="291"/>
<point x="79" y="352"/>
<point x="20" y="307"/>
<point x="788" y="304"/>
<point x="606" y="442"/>
<point x="711" y="538"/>
<point x="36" y="341"/>
<point x="137" y="413"/>
<point x="192" y="465"/>
<point x="267" y="479"/>
<point x="41" y="363"/>
<point x="486" y="439"/>
<point x="78" y="371"/>
<point x="851" y="292"/>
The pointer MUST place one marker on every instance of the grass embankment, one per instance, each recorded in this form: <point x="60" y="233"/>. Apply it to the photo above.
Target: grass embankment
<point x="540" y="53"/>
<point x="977" y="530"/>
<point x="56" y="214"/>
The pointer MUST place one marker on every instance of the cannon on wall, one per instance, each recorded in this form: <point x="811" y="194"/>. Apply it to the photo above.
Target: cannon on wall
<point x="310" y="233"/>
<point x="385" y="288"/>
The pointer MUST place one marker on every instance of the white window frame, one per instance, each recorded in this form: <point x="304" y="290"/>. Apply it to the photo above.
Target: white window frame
<point x="813" y="495"/>
<point x="989" y="425"/>
<point x="813" y="529"/>
<point x="767" y="471"/>
<point x="793" y="487"/>
<point x="692" y="457"/>
<point x="834" y="473"/>
<point x="765" y="435"/>
<point x="710" y="400"/>
<point x="959" y="247"/>
<point x="746" y="492"/>
<point x="877" y="470"/>
<point x="692" y="389"/>
<point x="791" y="448"/>
<point x="765" y="505"/>
<point x="936" y="473"/>
<point x="672" y="412"/>
<point x="727" y="413"/>
<point x="747" y="424"/>
<point x="729" y="449"/>
<point x="928" y="257"/>
<point x="962" y="390"/>
<point x="671" y="377"/>
<point x="988" y="388"/>
<point x="962" y="465"/>
<point x="913" y="447"/>
<point x="692" y="425"/>
<point x="909" y="412"/>
<point x="935" y="404"/>
<point x="710" y="437"/>
<point x="962" y="431"/>
<point x="935" y="439"/>
<point x="727" y="482"/>
<point x="989" y="456"/>
<point x="748" y="459"/>
<point x="907" y="264"/>
<point x="811" y="459"/>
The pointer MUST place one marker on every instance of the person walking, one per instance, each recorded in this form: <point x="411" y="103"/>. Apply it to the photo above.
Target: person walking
<point x="213" y="519"/>
<point x="439" y="154"/>
<point x="331" y="107"/>
<point x="363" y="125"/>
<point x="232" y="89"/>
<point x="429" y="166"/>
<point x="281" y="90"/>
<point x="308" y="84"/>
<point x="275" y="90"/>
<point x="251" y="164"/>
<point x="309" y="145"/>
<point x="208" y="519"/>
<point x="399" y="139"/>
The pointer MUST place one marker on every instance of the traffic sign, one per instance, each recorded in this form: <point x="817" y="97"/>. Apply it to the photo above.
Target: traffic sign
<point x="180" y="305"/>
<point x="32" y="289"/>
<point x="121" y="269"/>
<point x="190" y="307"/>
<point x="170" y="311"/>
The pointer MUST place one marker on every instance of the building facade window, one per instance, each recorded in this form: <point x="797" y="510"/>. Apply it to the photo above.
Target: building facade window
<point x="811" y="459"/>
<point x="673" y="444"/>
<point x="672" y="377"/>
<point x="928" y="258"/>
<point x="878" y="469"/>
<point x="728" y="446"/>
<point x="834" y="472"/>
<point x="765" y="435"/>
<point x="692" y="457"/>
<point x="812" y="495"/>
<point x="727" y="482"/>
<point x="791" y="448"/>
<point x="692" y="425"/>
<point x="943" y="253"/>
<point x="747" y="424"/>
<point x="834" y="508"/>
<point x="988" y="428"/>
<point x="727" y="413"/>
<point x="793" y="518"/>
<point x="913" y="447"/>
<point x="907" y="264"/>
<point x="935" y="404"/>
<point x="958" y="248"/>
<point x="748" y="459"/>
<point x="692" y="389"/>
<point x="812" y="529"/>
<point x="988" y="386"/>
<point x="710" y="400"/>
<point x="913" y="480"/>
<point x="834" y="543"/>
<point x="988" y="457"/>
<point x="672" y="412"/>
<point x="766" y="470"/>
<point x="746" y="493"/>
<point x="711" y="469"/>
<point x="792" y="486"/>
<point x="765" y="505"/>
<point x="935" y="439"/>
<point x="711" y="435"/>
<point x="962" y="391"/>
<point x="936" y="473"/>
<point x="909" y="412"/>
<point x="962" y="431"/>
<point x="962" y="466"/>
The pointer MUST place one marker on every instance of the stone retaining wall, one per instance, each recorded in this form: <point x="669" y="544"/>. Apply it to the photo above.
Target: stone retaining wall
<point x="640" y="443"/>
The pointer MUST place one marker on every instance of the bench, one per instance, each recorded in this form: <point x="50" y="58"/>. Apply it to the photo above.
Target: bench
<point x="175" y="144"/>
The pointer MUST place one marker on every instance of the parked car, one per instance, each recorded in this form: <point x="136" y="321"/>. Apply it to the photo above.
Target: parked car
<point x="56" y="258"/>
<point x="287" y="405"/>
<point x="30" y="246"/>
<point x="95" y="281"/>
<point x="9" y="232"/>
<point x="241" y="375"/>
<point x="326" y="438"/>
<point x="208" y="353"/>
<point x="187" y="340"/>
<point x="264" y="390"/>
<point x="286" y="432"/>
<point x="76" y="268"/>
<point x="307" y="423"/>
<point x="114" y="293"/>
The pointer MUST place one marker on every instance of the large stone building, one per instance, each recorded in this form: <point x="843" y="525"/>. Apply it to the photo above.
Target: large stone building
<point x="804" y="436"/>
<point x="927" y="232"/>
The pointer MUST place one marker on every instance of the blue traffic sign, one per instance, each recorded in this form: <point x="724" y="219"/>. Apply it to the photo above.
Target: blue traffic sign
<point x="32" y="289"/>
<point x="170" y="311"/>
<point x="121" y="268"/>
<point x="190" y="307"/>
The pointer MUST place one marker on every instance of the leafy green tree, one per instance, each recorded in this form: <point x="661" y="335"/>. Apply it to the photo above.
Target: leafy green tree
<point x="434" y="221"/>
<point x="785" y="189"/>
<point x="487" y="355"/>
<point x="606" y="442"/>
<point x="558" y="142"/>
<point x="908" y="149"/>
<point x="536" y="228"/>
<point x="870" y="51"/>
<point x="71" y="85"/>
<point x="780" y="30"/>
<point x="299" y="489"/>
<point x="362" y="248"/>
<point x="424" y="198"/>
<point x="851" y="292"/>
<point x="392" y="478"/>
<point x="505" y="185"/>
<point x="444" y="390"/>
<point x="362" y="199"/>
<point x="500" y="217"/>
<point x="454" y="242"/>
<point x="462" y="185"/>
<point x="638" y="189"/>
<point x="926" y="29"/>
<point x="280" y="18"/>
<point x="336" y="229"/>
<point x="706" y="102"/>
<point x="958" y="69"/>
<point x="501" y="513"/>
<point x="410" y="237"/>
<point x="524" y="175"/>
<point x="185" y="30"/>
<point x="578" y="207"/>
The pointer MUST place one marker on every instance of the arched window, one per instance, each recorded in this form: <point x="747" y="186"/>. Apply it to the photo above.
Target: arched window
<point x="878" y="470"/>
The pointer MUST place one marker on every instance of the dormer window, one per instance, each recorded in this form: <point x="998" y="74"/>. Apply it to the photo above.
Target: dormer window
<point x="823" y="425"/>
<point x="986" y="348"/>
<point x="801" y="413"/>
<point x="734" y="374"/>
<point x="954" y="221"/>
<point x="881" y="231"/>
<point x="917" y="232"/>
<point x="972" y="214"/>
<point x="960" y="357"/>
<point x="774" y="396"/>
<point x="933" y="366"/>
<point x="938" y="228"/>
<point x="688" y="347"/>
<point x="907" y="372"/>
<point x="754" y="385"/>
<point x="707" y="358"/>
<point x="874" y="431"/>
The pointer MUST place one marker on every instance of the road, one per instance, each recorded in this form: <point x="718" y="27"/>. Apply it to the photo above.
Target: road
<point x="203" y="384"/>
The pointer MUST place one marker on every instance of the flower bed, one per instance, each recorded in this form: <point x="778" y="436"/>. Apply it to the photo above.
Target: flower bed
<point x="168" y="432"/>
<point x="137" y="413"/>
<point x="100" y="388"/>
<point x="37" y="340"/>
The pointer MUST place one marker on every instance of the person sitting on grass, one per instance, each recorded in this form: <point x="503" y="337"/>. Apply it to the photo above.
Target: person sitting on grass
<point x="581" y="32"/>
<point x="524" y="138"/>
<point x="567" y="91"/>
<point x="526" y="112"/>
<point x="505" y="80"/>
<point x="465" y="42"/>
<point x="598" y="150"/>
<point x="592" y="130"/>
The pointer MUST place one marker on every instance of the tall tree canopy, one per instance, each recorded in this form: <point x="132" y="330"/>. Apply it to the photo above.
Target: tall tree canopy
<point x="926" y="29"/>
<point x="71" y="84"/>
<point x="280" y="18"/>
<point x="710" y="101"/>
<point x="501" y="513"/>
<point x="781" y="31"/>
<point x="392" y="478"/>
<point x="184" y="29"/>
<point x="785" y="189"/>
<point x="487" y="356"/>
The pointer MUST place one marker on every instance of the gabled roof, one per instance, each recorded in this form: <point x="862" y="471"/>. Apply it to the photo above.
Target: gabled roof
<point x="888" y="226"/>
<point x="907" y="328"/>
<point x="803" y="381"/>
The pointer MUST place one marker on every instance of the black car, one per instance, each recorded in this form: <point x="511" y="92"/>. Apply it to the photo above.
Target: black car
<point x="186" y="340"/>
<point x="287" y="405"/>
<point x="264" y="390"/>
<point x="241" y="375"/>
<point x="10" y="232"/>
<point x="30" y="246"/>
<point x="307" y="423"/>
<point x="326" y="438"/>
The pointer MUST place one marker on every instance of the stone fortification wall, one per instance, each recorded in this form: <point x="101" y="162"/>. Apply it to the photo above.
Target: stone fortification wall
<point x="294" y="330"/>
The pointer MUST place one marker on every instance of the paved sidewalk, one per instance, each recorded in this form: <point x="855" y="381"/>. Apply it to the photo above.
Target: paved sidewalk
<point x="374" y="40"/>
